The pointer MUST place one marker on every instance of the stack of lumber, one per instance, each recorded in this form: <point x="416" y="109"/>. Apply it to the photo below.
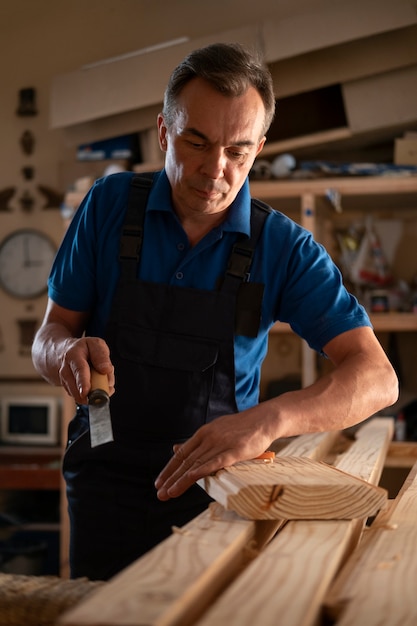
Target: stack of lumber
<point x="313" y="560"/>
<point x="39" y="600"/>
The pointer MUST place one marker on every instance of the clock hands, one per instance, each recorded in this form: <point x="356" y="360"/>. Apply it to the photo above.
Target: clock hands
<point x="26" y="254"/>
<point x="27" y="260"/>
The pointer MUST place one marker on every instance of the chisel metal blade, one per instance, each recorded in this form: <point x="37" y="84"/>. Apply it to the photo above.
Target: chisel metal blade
<point x="101" y="430"/>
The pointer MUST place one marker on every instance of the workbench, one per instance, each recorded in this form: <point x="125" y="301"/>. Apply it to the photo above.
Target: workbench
<point x="224" y="569"/>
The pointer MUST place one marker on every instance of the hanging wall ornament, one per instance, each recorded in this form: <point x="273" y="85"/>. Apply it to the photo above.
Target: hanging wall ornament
<point x="27" y="201"/>
<point x="27" y="142"/>
<point x="28" y="172"/>
<point x="27" y="102"/>
<point x="6" y="195"/>
<point x="27" y="329"/>
<point x="54" y="198"/>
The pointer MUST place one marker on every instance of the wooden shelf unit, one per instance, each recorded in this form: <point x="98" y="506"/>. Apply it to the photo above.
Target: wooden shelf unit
<point x="397" y="191"/>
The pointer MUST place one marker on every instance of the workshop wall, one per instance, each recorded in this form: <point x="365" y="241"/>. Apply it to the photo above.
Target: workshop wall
<point x="46" y="38"/>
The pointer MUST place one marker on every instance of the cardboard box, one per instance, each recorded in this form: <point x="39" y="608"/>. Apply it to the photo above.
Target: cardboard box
<point x="405" y="151"/>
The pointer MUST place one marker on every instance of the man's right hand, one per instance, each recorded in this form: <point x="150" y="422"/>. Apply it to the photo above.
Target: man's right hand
<point x="63" y="355"/>
<point x="77" y="359"/>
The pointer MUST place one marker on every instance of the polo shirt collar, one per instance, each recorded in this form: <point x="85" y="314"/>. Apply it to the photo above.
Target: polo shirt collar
<point x="238" y="217"/>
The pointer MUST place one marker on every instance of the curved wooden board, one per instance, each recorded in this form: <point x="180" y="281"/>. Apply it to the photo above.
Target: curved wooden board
<point x="293" y="488"/>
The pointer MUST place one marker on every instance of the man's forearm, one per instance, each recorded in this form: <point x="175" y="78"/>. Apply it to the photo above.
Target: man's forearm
<point x="48" y="351"/>
<point x="355" y="390"/>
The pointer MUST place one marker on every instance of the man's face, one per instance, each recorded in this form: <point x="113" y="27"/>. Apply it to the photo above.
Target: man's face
<point x="210" y="147"/>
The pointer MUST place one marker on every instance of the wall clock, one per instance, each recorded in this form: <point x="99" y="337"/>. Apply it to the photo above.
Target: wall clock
<point x="26" y="258"/>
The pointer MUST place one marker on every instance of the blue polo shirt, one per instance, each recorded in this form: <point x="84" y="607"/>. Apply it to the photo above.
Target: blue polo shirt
<point x="302" y="285"/>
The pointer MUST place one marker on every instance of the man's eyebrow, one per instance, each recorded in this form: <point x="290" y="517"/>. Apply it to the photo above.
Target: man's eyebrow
<point x="194" y="131"/>
<point x="197" y="133"/>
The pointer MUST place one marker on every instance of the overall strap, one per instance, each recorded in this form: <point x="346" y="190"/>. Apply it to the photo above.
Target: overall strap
<point x="132" y="232"/>
<point x="236" y="281"/>
<point x="240" y="260"/>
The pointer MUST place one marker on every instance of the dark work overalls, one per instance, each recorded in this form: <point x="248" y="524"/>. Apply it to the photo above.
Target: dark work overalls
<point x="173" y="353"/>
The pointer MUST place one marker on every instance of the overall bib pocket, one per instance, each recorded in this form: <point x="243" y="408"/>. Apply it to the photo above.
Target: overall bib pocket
<point x="171" y="377"/>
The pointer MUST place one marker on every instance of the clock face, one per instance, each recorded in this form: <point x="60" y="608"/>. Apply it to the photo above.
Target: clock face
<point x="26" y="258"/>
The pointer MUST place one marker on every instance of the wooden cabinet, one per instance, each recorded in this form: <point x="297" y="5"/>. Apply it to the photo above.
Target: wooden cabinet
<point x="306" y="201"/>
<point x="30" y="485"/>
<point x="30" y="468"/>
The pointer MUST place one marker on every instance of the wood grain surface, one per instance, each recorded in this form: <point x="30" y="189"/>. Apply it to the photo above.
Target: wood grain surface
<point x="287" y="583"/>
<point x="378" y="585"/>
<point x="293" y="488"/>
<point x="212" y="572"/>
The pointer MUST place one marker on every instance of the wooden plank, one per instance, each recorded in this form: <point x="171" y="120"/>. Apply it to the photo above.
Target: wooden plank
<point x="402" y="454"/>
<point x="367" y="457"/>
<point x="378" y="584"/>
<point x="293" y="488"/>
<point x="248" y="487"/>
<point x="288" y="581"/>
<point x="313" y="446"/>
<point x="284" y="584"/>
<point x="367" y="454"/>
<point x="176" y="581"/>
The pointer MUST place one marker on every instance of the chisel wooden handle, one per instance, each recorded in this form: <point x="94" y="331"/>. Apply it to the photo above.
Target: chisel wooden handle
<point x="99" y="393"/>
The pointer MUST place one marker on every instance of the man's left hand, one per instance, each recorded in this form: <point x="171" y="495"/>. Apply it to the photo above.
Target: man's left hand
<point x="219" y="444"/>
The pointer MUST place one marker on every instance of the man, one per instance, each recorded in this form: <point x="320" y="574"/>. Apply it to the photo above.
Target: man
<point x="181" y="318"/>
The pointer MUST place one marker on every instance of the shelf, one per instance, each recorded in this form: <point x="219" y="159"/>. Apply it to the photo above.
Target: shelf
<point x="29" y="452"/>
<point x="349" y="185"/>
<point x="401" y="454"/>
<point x="394" y="322"/>
<point x="29" y="468"/>
<point x="382" y="322"/>
<point x="314" y="139"/>
<point x="29" y="477"/>
<point x="390" y="194"/>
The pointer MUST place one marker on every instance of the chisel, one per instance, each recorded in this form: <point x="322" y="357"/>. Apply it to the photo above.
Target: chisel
<point x="101" y="430"/>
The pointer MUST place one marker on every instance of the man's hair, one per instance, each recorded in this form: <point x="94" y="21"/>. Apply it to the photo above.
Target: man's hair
<point x="230" y="69"/>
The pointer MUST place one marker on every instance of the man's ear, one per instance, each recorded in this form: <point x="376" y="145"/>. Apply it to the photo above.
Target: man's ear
<point x="162" y="132"/>
<point x="260" y="145"/>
